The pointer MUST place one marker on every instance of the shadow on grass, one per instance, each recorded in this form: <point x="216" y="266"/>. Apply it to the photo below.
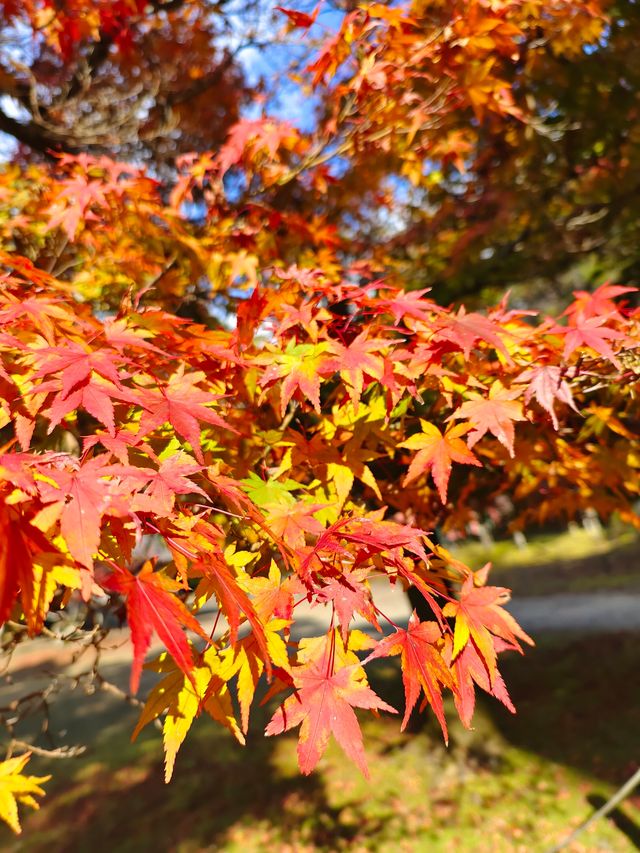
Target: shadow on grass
<point x="577" y="703"/>
<point x="114" y="796"/>
<point x="577" y="707"/>
<point x="619" y="819"/>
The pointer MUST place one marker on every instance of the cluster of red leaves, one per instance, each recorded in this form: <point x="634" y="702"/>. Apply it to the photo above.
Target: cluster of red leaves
<point x="164" y="424"/>
<point x="304" y="451"/>
<point x="68" y="24"/>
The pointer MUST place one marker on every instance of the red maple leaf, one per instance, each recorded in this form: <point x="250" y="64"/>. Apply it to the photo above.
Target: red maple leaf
<point x="422" y="666"/>
<point x="436" y="452"/>
<point x="20" y="543"/>
<point x="464" y="330"/>
<point x="392" y="541"/>
<point x="546" y="383"/>
<point x="599" y="303"/>
<point x="255" y="134"/>
<point x="162" y="485"/>
<point x="495" y="414"/>
<point x="357" y="359"/>
<point x="84" y="494"/>
<point x="408" y="304"/>
<point x="349" y="595"/>
<point x="76" y="364"/>
<point x="300" y="19"/>
<point x="182" y="404"/>
<point x="120" y="334"/>
<point x="94" y="394"/>
<point x="152" y="608"/>
<point x="480" y="616"/>
<point x="41" y="313"/>
<point x="218" y="580"/>
<point x="323" y="705"/>
<point x="590" y="332"/>
<point x="118" y="444"/>
<point x="72" y="202"/>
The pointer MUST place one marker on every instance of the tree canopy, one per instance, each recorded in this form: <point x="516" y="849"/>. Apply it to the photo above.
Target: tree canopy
<point x="216" y="333"/>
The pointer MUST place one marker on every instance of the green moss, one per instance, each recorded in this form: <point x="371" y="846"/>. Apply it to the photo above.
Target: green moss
<point x="569" y="562"/>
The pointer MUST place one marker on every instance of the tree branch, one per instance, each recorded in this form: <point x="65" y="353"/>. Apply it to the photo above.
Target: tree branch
<point x="36" y="137"/>
<point x="621" y="794"/>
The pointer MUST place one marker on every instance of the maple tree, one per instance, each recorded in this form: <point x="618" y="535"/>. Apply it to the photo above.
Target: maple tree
<point x="259" y="389"/>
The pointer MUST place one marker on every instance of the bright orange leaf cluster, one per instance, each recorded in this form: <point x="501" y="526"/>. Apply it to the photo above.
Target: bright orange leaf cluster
<point x="313" y="433"/>
<point x="301" y="437"/>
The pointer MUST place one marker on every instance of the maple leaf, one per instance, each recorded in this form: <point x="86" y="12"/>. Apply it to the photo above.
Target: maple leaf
<point x="422" y="666"/>
<point x="349" y="595"/>
<point x="16" y="788"/>
<point x="323" y="705"/>
<point x="409" y="304"/>
<point x="301" y="367"/>
<point x="232" y="491"/>
<point x="495" y="414"/>
<point x="151" y="608"/>
<point x="50" y="573"/>
<point x="121" y="334"/>
<point x="88" y="378"/>
<point x="18" y="470"/>
<point x="83" y="496"/>
<point x="600" y="303"/>
<point x="480" y="616"/>
<point x="23" y="560"/>
<point x="343" y="474"/>
<point x="547" y="384"/>
<point x="70" y="208"/>
<point x="245" y="660"/>
<point x="252" y="135"/>
<point x="170" y="479"/>
<point x="217" y="579"/>
<point x="592" y="333"/>
<point x="184" y="699"/>
<point x="463" y="330"/>
<point x="272" y="491"/>
<point x="290" y="522"/>
<point x="355" y="360"/>
<point x="182" y="404"/>
<point x="76" y="364"/>
<point x="94" y="394"/>
<point x="436" y="452"/>
<point x="273" y="596"/>
<point x="300" y="19"/>
<point x="43" y="313"/>
<point x="117" y="444"/>
<point x="471" y="670"/>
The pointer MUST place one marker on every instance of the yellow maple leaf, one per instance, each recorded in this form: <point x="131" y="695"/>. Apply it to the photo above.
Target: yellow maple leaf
<point x="183" y="701"/>
<point x="16" y="788"/>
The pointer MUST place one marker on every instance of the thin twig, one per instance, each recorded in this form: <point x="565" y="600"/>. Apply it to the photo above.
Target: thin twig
<point x="621" y="794"/>
<point x="58" y="752"/>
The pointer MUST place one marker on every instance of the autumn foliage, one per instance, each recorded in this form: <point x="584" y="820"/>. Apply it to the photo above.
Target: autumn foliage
<point x="263" y="393"/>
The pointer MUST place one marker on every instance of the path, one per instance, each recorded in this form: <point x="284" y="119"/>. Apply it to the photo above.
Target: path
<point x="597" y="612"/>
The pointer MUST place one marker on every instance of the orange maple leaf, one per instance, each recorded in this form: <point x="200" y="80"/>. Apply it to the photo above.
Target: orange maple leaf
<point x="495" y="414"/>
<point x="436" y="452"/>
<point x="422" y="666"/>
<point x="323" y="705"/>
<point x="480" y="617"/>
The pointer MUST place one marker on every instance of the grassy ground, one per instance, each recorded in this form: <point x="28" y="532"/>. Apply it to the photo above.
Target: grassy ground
<point x="576" y="562"/>
<point x="513" y="784"/>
